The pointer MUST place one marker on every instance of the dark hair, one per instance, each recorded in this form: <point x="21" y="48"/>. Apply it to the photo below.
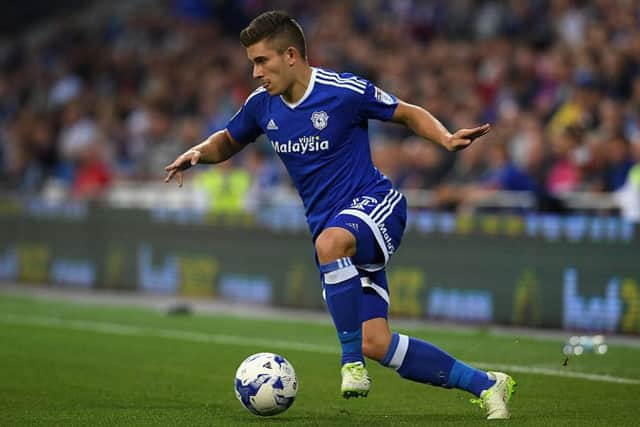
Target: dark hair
<point x="278" y="27"/>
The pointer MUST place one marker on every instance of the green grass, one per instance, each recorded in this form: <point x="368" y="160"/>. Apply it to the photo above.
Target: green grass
<point x="68" y="364"/>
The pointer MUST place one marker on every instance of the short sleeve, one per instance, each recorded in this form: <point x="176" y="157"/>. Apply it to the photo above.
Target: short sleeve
<point x="377" y="104"/>
<point x="243" y="126"/>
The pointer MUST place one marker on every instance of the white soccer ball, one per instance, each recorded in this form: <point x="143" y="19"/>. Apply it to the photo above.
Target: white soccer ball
<point x="266" y="384"/>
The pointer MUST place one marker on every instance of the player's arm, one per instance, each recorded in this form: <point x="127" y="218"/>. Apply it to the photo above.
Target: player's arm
<point x="217" y="148"/>
<point x="425" y="125"/>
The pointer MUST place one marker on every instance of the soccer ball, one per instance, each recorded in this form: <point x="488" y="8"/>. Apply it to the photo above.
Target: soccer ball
<point x="266" y="384"/>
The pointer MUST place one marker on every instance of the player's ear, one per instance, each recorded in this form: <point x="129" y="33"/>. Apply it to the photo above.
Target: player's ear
<point x="291" y="55"/>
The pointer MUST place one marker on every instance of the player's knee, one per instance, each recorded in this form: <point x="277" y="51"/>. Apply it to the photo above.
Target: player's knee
<point x="375" y="346"/>
<point x="334" y="243"/>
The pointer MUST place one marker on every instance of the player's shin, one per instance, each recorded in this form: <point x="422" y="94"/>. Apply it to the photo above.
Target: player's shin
<point x="423" y="362"/>
<point x="343" y="294"/>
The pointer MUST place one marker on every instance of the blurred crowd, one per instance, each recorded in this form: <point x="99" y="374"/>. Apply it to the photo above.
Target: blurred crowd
<point x="111" y="95"/>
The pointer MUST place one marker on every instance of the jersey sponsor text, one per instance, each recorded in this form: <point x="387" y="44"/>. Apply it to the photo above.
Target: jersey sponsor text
<point x="304" y="145"/>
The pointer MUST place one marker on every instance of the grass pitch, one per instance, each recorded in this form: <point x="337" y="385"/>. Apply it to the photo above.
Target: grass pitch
<point x="72" y="364"/>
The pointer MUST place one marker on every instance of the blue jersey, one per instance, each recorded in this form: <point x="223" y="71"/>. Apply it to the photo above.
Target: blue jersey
<point x="322" y="139"/>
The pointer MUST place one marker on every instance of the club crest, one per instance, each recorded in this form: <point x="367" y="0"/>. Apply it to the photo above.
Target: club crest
<point x="319" y="119"/>
<point x="362" y="202"/>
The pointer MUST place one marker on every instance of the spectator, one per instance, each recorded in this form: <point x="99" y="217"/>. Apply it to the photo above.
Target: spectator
<point x="93" y="175"/>
<point x="628" y="196"/>
<point x="140" y="82"/>
<point x="619" y="162"/>
<point x="227" y="188"/>
<point x="503" y="173"/>
<point x="470" y="168"/>
<point x="565" y="174"/>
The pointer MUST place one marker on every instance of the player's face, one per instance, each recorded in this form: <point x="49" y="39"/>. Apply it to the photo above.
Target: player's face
<point x="270" y="68"/>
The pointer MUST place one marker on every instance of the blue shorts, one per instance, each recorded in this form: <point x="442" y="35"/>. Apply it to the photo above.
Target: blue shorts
<point x="377" y="221"/>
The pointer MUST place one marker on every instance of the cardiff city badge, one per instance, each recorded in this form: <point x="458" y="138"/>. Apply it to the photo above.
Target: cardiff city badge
<point x="319" y="119"/>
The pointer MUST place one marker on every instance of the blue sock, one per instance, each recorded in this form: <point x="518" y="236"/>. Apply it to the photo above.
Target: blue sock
<point x="343" y="294"/>
<point x="423" y="362"/>
<point x="467" y="378"/>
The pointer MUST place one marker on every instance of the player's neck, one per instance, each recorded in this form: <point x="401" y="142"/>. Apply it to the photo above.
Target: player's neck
<point x="299" y="86"/>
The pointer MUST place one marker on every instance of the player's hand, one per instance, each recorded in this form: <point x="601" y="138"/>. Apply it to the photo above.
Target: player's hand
<point x="464" y="137"/>
<point x="183" y="162"/>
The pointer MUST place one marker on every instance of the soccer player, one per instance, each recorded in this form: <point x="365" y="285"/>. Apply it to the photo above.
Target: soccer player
<point x="316" y="120"/>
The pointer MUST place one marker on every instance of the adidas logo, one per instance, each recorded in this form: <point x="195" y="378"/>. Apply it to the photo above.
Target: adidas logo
<point x="272" y="125"/>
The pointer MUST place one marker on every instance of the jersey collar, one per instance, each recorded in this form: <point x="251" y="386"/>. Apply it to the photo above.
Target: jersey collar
<point x="312" y="81"/>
